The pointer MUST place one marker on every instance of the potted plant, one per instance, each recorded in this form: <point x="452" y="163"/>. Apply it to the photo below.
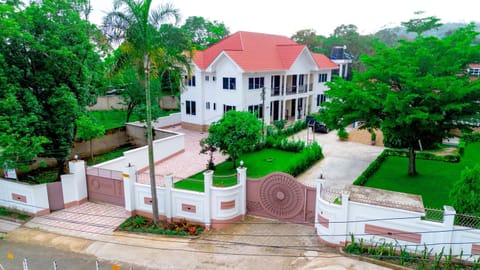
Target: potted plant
<point x="342" y="134"/>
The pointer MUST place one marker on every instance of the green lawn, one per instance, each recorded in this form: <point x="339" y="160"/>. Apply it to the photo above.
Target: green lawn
<point x="259" y="164"/>
<point x="116" y="118"/>
<point x="108" y="156"/>
<point x="434" y="181"/>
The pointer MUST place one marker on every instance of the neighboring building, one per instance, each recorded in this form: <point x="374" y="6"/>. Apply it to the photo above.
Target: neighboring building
<point x="248" y="71"/>
<point x="474" y="70"/>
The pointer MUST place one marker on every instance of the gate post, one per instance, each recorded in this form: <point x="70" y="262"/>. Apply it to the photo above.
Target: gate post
<point x="242" y="180"/>
<point x="208" y="179"/>
<point x="168" y="196"/>
<point x="129" y="178"/>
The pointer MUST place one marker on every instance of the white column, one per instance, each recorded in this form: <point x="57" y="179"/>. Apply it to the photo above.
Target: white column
<point x="129" y="178"/>
<point x="449" y="222"/>
<point x="168" y="196"/>
<point x="207" y="181"/>
<point x="242" y="180"/>
<point x="346" y="230"/>
<point x="77" y="168"/>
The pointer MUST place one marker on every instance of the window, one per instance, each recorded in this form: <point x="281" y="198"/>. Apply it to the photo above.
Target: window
<point x="227" y="108"/>
<point x="257" y="110"/>
<point x="320" y="99"/>
<point x="191" y="107"/>
<point x="475" y="72"/>
<point x="207" y="78"/>
<point x="301" y="78"/>
<point x="229" y="83"/>
<point x="207" y="105"/>
<point x="256" y="82"/>
<point x="214" y="78"/>
<point x="190" y="81"/>
<point x="322" y="77"/>
<point x="214" y="106"/>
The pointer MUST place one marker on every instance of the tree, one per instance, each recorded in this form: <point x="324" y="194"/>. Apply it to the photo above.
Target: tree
<point x="465" y="193"/>
<point x="314" y="42"/>
<point x="415" y="93"/>
<point x="87" y="129"/>
<point x="204" y="33"/>
<point x="51" y="67"/>
<point x="136" y="26"/>
<point x="235" y="134"/>
<point x="421" y="25"/>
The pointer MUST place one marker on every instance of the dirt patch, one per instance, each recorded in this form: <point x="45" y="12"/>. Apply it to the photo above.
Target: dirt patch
<point x="364" y="137"/>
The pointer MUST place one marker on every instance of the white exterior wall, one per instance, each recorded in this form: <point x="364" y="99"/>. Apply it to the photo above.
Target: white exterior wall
<point x="36" y="196"/>
<point x="167" y="121"/>
<point x="193" y="93"/>
<point x="351" y="217"/>
<point x="74" y="185"/>
<point x="138" y="157"/>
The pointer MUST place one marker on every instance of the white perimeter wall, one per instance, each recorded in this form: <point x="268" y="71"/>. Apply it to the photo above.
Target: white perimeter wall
<point x="24" y="197"/>
<point x="335" y="223"/>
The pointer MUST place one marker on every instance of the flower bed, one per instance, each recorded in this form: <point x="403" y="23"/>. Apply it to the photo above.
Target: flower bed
<point x="146" y="225"/>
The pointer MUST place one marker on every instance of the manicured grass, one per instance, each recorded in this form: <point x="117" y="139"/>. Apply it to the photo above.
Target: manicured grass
<point x="259" y="164"/>
<point x="434" y="181"/>
<point x="112" y="118"/>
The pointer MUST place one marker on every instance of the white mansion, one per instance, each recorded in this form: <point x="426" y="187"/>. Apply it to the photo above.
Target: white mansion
<point x="260" y="73"/>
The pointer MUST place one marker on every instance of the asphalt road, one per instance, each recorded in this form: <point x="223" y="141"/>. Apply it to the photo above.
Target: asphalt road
<point x="41" y="258"/>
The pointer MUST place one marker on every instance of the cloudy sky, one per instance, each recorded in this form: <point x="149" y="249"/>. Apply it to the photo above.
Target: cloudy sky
<point x="286" y="17"/>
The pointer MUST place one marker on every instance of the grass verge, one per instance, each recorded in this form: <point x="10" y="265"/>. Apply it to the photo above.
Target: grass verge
<point x="12" y="214"/>
<point x="146" y="225"/>
<point x="434" y="181"/>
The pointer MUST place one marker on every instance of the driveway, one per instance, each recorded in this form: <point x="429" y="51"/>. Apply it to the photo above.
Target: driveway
<point x="343" y="161"/>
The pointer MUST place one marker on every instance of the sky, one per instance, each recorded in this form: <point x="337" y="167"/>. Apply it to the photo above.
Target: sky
<point x="287" y="17"/>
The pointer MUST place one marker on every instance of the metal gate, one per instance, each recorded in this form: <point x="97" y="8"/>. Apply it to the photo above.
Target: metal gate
<point x="105" y="185"/>
<point x="55" y="196"/>
<point x="280" y="196"/>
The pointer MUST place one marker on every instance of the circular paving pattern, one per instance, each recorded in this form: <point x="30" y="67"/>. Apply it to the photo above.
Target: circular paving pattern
<point x="281" y="195"/>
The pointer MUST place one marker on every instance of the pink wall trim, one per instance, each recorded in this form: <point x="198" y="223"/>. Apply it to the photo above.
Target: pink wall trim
<point x="227" y="205"/>
<point x="219" y="224"/>
<point x="19" y="198"/>
<point x="147" y="200"/>
<point x="189" y="208"/>
<point x="393" y="233"/>
<point x="42" y="212"/>
<point x="476" y="249"/>
<point x="75" y="203"/>
<point x="325" y="222"/>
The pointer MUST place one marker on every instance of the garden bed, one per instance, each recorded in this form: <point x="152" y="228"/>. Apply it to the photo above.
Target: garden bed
<point x="141" y="224"/>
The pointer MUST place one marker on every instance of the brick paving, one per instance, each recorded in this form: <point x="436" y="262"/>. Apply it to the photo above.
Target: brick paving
<point x="88" y="219"/>
<point x="183" y="164"/>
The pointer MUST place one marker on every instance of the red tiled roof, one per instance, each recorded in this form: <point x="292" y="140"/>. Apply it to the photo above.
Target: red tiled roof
<point x="258" y="52"/>
<point x="474" y="65"/>
<point x="323" y="61"/>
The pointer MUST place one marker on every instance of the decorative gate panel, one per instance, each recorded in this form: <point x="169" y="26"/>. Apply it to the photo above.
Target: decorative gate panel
<point x="55" y="196"/>
<point x="280" y="196"/>
<point x="105" y="186"/>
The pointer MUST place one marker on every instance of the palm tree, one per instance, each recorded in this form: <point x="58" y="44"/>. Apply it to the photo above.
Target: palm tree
<point x="137" y="28"/>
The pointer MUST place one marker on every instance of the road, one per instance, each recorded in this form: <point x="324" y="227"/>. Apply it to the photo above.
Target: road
<point x="41" y="258"/>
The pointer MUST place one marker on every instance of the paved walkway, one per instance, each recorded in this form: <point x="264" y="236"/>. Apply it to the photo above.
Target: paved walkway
<point x="343" y="161"/>
<point x="87" y="220"/>
<point x="256" y="243"/>
<point x="186" y="163"/>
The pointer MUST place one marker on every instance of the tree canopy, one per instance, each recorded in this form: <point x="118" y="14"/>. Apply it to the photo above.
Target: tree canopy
<point x="204" y="33"/>
<point x="466" y="191"/>
<point x="415" y="92"/>
<point x="49" y="68"/>
<point x="236" y="133"/>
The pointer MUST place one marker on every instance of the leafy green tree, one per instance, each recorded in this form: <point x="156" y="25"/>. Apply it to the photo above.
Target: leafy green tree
<point x="51" y="67"/>
<point x="236" y="133"/>
<point x="465" y="193"/>
<point x="137" y="28"/>
<point x="204" y="33"/>
<point x="421" y="25"/>
<point x="87" y="129"/>
<point x="415" y="93"/>
<point x="314" y="42"/>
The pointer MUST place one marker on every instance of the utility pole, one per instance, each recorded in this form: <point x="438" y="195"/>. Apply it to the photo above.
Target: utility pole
<point x="263" y="114"/>
<point x="151" y="163"/>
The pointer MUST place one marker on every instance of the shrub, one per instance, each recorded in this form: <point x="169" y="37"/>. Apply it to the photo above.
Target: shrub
<point x="371" y="169"/>
<point x="342" y="134"/>
<point x="471" y="137"/>
<point x="461" y="146"/>
<point x="309" y="156"/>
<point x="279" y="124"/>
<point x="465" y="193"/>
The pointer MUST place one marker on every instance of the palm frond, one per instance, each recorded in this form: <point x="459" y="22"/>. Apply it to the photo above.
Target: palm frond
<point x="163" y="14"/>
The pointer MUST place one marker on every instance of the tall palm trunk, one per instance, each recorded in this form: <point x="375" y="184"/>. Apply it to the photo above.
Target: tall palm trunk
<point x="151" y="163"/>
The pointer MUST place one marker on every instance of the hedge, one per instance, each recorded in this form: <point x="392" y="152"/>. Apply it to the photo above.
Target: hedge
<point x="309" y="156"/>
